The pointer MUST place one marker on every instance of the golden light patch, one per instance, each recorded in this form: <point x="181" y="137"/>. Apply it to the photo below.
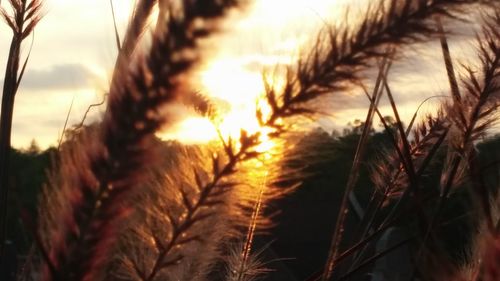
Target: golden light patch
<point x="235" y="80"/>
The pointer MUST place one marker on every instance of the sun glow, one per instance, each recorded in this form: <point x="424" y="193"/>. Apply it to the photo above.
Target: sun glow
<point x="232" y="79"/>
<point x="236" y="93"/>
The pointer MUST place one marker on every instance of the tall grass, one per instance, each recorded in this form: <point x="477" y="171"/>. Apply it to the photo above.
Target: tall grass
<point x="115" y="210"/>
<point x="22" y="21"/>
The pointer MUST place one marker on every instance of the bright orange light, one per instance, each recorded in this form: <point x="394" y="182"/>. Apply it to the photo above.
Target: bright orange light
<point x="232" y="78"/>
<point x="239" y="92"/>
<point x="193" y="130"/>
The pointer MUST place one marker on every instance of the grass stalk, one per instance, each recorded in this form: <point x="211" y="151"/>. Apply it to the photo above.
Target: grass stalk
<point x="26" y="15"/>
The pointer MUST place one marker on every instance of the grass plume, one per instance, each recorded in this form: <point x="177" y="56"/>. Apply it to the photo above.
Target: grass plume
<point x="122" y="205"/>
<point x="22" y="21"/>
<point x="107" y="168"/>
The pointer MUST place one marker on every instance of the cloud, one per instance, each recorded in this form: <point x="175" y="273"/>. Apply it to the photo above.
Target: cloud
<point x="62" y="76"/>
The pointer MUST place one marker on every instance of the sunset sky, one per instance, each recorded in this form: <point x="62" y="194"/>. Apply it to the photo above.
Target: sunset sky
<point x="74" y="52"/>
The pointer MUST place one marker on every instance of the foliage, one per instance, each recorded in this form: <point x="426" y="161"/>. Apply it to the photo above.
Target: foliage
<point x="121" y="205"/>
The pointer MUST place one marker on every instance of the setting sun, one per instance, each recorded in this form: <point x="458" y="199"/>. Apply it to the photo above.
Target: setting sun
<point x="235" y="92"/>
<point x="233" y="78"/>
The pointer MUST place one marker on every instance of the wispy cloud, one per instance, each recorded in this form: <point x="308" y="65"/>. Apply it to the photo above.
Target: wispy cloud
<point x="62" y="76"/>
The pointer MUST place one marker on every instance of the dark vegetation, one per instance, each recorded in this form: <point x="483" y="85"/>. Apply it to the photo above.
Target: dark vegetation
<point x="118" y="204"/>
<point x="29" y="174"/>
<point x="307" y="215"/>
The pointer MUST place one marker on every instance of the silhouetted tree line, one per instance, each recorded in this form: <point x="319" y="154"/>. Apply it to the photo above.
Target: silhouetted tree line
<point x="307" y="216"/>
